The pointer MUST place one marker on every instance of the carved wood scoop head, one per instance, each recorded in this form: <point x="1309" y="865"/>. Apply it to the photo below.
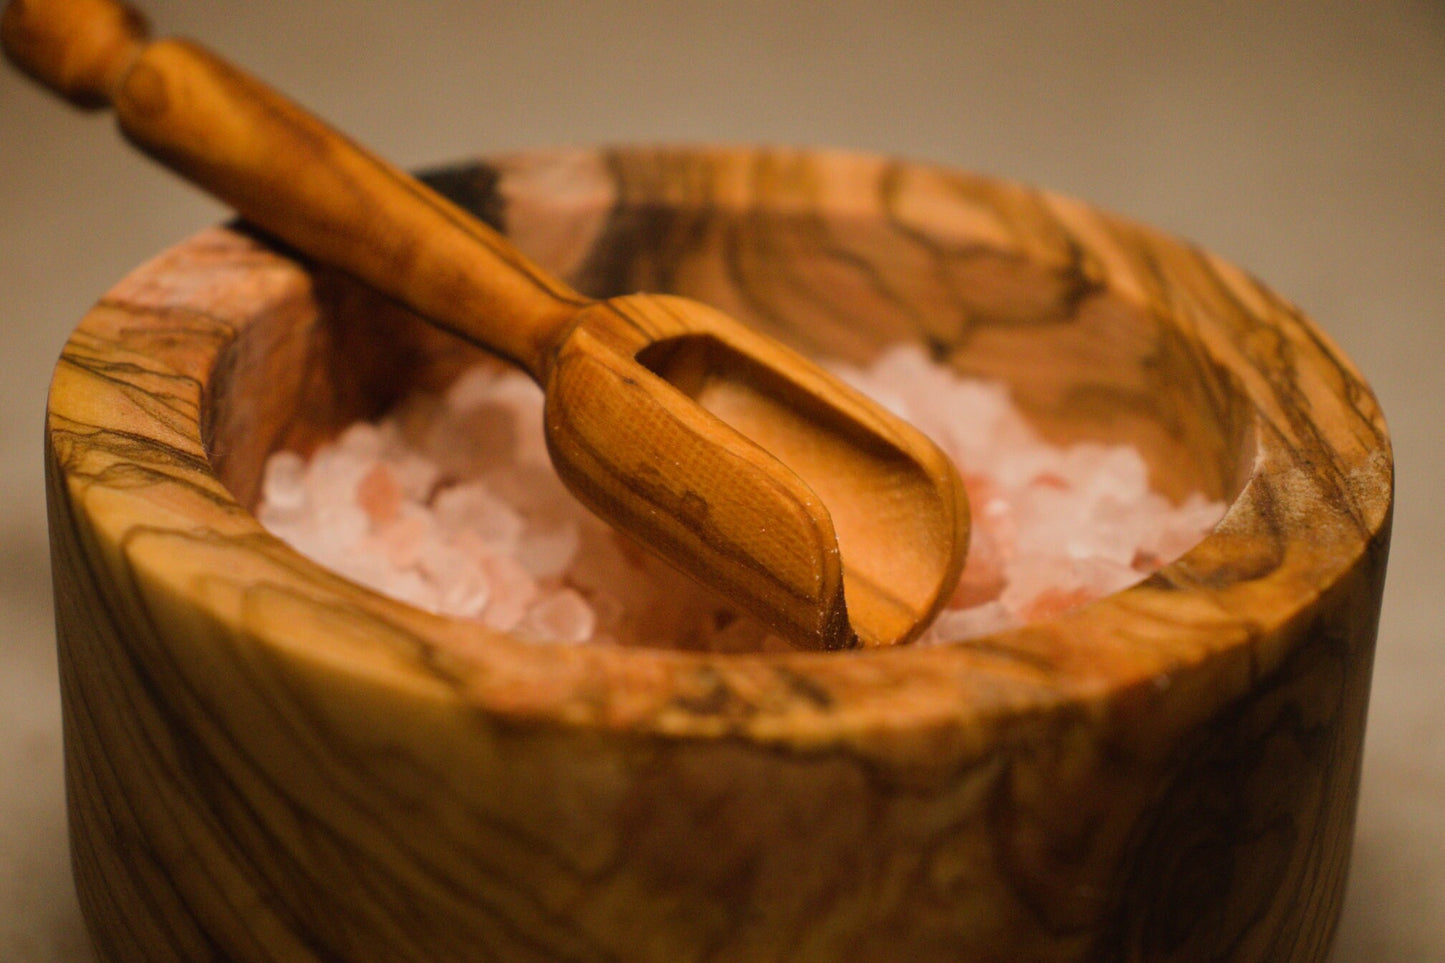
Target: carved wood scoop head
<point x="738" y="460"/>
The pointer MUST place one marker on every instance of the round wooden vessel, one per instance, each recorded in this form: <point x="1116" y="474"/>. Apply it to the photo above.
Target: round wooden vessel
<point x="268" y="762"/>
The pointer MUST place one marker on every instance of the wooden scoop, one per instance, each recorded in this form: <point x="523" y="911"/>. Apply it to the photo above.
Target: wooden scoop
<point x="738" y="460"/>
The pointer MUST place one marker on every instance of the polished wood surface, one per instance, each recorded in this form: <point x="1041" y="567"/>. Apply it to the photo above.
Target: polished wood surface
<point x="765" y="478"/>
<point x="267" y="762"/>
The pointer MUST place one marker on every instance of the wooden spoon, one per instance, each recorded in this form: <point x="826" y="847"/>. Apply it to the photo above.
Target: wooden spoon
<point x="738" y="460"/>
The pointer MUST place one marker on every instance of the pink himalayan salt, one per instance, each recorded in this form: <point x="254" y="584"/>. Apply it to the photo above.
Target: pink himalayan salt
<point x="450" y="503"/>
<point x="563" y="616"/>
<point x="379" y="494"/>
<point x="514" y="593"/>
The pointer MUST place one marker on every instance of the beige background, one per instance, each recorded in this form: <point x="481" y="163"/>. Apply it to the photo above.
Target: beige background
<point x="1306" y="143"/>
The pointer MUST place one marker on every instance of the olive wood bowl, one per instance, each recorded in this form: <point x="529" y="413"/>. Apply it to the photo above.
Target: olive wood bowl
<point x="266" y="761"/>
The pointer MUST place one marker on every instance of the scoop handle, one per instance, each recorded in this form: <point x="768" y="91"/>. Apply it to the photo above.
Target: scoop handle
<point x="289" y="173"/>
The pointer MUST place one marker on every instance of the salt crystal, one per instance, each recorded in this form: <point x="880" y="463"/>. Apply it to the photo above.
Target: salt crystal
<point x="460" y="574"/>
<point x="493" y="418"/>
<point x="864" y="382"/>
<point x="404" y="540"/>
<point x="560" y="616"/>
<point x="523" y="400"/>
<point x="1030" y="575"/>
<point x="449" y="503"/>
<point x="362" y="439"/>
<point x="1052" y="602"/>
<point x="465" y="592"/>
<point x="473" y="387"/>
<point x="1096" y="470"/>
<point x="954" y="625"/>
<point x="513" y="591"/>
<point x="299" y="535"/>
<point x="532" y="489"/>
<point x="472" y="508"/>
<point x="413" y="588"/>
<point x="548" y="552"/>
<point x="984" y="572"/>
<point x="379" y="494"/>
<point x="339" y="524"/>
<point x="1169" y="540"/>
<point x="416" y="475"/>
<point x="373" y="571"/>
<point x="463" y="444"/>
<point x="283" y="482"/>
<point x="334" y="473"/>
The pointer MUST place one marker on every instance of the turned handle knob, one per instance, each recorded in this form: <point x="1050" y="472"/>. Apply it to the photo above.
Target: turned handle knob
<point x="81" y="49"/>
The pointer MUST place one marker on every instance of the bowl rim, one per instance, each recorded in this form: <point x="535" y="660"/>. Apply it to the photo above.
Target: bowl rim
<point x="1317" y="502"/>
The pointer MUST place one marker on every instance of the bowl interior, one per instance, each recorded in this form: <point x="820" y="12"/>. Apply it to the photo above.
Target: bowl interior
<point x="803" y="260"/>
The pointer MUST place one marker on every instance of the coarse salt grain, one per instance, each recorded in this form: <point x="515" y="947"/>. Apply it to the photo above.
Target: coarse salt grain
<point x="548" y="552"/>
<point x="513" y="592"/>
<point x="379" y="494"/>
<point x="449" y="503"/>
<point x="470" y="508"/>
<point x="560" y="616"/>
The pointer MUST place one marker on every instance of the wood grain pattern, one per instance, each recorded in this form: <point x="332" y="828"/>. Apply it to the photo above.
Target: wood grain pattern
<point x="267" y="762"/>
<point x="767" y="480"/>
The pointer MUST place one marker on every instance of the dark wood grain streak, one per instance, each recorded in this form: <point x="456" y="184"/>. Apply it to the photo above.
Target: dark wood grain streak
<point x="740" y="506"/>
<point x="267" y="762"/>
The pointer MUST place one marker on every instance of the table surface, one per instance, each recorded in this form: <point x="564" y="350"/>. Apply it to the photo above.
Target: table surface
<point x="1306" y="143"/>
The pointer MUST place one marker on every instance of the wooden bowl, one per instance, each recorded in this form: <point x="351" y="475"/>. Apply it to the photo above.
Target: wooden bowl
<point x="268" y="762"/>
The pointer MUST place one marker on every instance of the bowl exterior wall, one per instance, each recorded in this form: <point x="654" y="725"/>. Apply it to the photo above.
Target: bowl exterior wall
<point x="266" y="762"/>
